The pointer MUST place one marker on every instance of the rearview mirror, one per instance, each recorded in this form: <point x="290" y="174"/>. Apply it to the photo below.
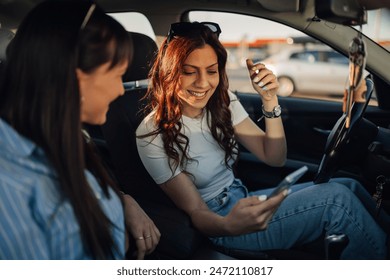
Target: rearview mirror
<point x="347" y="12"/>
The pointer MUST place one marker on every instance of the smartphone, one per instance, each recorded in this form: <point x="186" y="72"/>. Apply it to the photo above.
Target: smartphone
<point x="289" y="180"/>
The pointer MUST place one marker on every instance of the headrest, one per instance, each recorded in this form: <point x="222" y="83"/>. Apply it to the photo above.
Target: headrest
<point x="145" y="50"/>
<point x="5" y="37"/>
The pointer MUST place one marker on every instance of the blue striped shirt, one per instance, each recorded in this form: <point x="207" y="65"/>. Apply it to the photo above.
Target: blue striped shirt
<point x="35" y="222"/>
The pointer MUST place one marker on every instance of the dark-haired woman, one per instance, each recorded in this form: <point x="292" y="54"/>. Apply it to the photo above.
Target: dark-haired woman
<point x="63" y="68"/>
<point x="188" y="143"/>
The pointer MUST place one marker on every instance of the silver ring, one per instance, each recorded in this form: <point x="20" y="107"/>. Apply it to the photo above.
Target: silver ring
<point x="148" y="236"/>
<point x="140" y="238"/>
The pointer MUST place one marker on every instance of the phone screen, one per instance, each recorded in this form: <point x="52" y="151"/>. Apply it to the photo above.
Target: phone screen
<point x="289" y="180"/>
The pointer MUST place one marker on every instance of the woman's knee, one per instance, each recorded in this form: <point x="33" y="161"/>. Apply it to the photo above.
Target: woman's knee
<point x="337" y="195"/>
<point x="334" y="188"/>
<point x="352" y="184"/>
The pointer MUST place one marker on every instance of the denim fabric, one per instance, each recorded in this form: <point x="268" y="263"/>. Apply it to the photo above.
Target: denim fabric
<point x="307" y="213"/>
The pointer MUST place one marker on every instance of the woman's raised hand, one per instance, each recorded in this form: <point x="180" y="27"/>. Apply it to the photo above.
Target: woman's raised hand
<point x="263" y="80"/>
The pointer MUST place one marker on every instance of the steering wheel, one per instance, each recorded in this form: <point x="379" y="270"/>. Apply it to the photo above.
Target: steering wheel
<point x="340" y="136"/>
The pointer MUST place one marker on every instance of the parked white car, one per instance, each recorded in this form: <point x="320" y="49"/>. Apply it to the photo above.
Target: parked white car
<point x="315" y="70"/>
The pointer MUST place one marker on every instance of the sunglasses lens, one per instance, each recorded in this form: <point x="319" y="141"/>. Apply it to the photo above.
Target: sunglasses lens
<point x="212" y="27"/>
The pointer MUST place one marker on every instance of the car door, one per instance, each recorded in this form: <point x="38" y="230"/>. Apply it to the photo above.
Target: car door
<point x="307" y="124"/>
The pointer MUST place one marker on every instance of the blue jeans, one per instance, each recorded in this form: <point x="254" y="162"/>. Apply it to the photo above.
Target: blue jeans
<point x="309" y="212"/>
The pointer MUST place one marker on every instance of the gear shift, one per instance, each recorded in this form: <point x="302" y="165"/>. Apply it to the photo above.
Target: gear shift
<point x="334" y="246"/>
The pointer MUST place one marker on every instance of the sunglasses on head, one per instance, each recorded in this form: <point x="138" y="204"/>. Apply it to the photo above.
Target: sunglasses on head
<point x="184" y="28"/>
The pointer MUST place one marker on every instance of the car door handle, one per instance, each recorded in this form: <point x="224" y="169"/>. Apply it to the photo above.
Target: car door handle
<point x="322" y="131"/>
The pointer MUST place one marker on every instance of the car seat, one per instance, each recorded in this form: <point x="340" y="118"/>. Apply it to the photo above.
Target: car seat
<point x="116" y="140"/>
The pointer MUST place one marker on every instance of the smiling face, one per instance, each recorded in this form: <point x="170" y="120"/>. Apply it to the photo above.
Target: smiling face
<point x="98" y="89"/>
<point x="198" y="80"/>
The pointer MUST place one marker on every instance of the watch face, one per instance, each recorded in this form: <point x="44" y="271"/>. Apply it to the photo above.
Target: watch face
<point x="277" y="111"/>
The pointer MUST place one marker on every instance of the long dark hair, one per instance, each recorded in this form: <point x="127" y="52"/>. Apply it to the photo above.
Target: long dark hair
<point x="165" y="103"/>
<point x="39" y="97"/>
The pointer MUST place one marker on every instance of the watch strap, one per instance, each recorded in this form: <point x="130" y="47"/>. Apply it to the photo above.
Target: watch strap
<point x="275" y="113"/>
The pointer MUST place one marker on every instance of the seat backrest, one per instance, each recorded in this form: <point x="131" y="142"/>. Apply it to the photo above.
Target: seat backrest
<point x="123" y="118"/>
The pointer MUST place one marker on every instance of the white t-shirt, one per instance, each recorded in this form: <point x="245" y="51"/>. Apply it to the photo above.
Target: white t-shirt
<point x="207" y="166"/>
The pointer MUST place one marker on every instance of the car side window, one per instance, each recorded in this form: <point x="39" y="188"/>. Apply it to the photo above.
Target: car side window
<point x="335" y="57"/>
<point x="305" y="67"/>
<point x="305" y="56"/>
<point x="135" y="22"/>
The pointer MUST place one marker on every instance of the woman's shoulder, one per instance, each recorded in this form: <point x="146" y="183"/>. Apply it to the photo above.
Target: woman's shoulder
<point x="147" y="125"/>
<point x="22" y="162"/>
<point x="238" y="111"/>
<point x="232" y="96"/>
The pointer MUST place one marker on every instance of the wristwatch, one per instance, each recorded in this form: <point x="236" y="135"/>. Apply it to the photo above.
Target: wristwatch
<point x="275" y="113"/>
